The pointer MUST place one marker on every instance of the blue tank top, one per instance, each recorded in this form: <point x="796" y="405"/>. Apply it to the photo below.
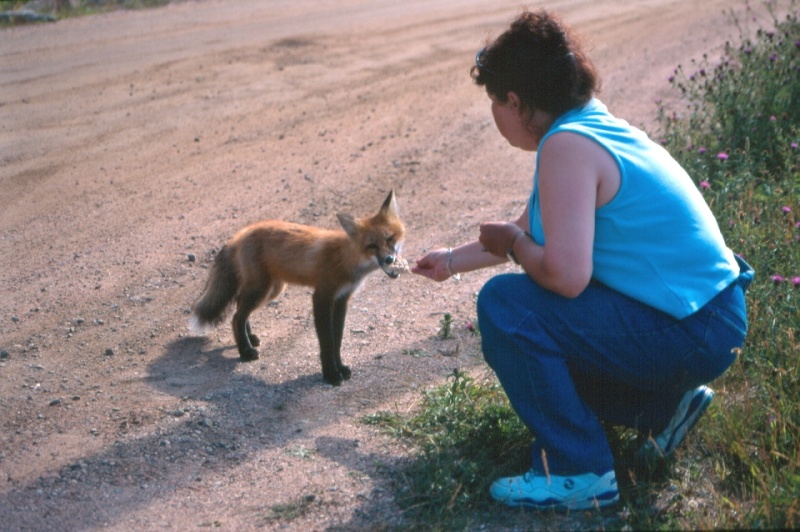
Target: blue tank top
<point x="656" y="241"/>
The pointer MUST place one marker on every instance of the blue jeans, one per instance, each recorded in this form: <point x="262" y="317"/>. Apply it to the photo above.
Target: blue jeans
<point x="568" y="364"/>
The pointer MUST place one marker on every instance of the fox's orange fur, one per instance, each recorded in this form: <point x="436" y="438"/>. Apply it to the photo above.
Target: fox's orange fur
<point x="261" y="259"/>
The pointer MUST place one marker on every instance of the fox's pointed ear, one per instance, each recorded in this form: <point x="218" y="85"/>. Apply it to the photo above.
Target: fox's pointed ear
<point x="349" y="224"/>
<point x="389" y="206"/>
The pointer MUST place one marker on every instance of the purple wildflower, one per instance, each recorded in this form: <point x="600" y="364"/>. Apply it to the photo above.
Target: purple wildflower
<point x="722" y="156"/>
<point x="777" y="279"/>
<point x="793" y="145"/>
<point x="796" y="281"/>
<point x="701" y="150"/>
<point x="786" y="209"/>
<point x="705" y="184"/>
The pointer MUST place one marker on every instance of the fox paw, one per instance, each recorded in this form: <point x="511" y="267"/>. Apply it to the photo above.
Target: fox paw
<point x="345" y="372"/>
<point x="248" y="354"/>
<point x="333" y="380"/>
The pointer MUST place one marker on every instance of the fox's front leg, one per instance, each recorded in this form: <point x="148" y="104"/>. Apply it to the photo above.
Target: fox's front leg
<point x="339" y="313"/>
<point x="325" y="325"/>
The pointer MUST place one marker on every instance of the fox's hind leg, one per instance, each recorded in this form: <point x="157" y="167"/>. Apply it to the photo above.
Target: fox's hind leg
<point x="254" y="340"/>
<point x="250" y="298"/>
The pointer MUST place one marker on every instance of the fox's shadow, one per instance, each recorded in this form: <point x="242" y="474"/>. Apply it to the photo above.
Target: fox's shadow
<point x="217" y="422"/>
<point x="191" y="372"/>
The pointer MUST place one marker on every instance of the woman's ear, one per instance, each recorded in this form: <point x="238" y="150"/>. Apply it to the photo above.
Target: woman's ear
<point x="514" y="102"/>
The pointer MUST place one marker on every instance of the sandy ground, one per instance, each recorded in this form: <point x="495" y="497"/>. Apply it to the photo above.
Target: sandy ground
<point x="134" y="142"/>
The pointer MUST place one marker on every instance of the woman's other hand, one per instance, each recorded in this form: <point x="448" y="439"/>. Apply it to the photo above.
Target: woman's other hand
<point x="496" y="237"/>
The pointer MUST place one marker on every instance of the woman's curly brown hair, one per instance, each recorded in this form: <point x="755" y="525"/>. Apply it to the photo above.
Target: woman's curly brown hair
<point x="539" y="60"/>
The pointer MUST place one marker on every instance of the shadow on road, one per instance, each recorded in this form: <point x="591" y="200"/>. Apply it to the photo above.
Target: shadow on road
<point x="224" y="419"/>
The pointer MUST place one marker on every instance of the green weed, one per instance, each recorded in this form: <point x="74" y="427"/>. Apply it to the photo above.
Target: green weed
<point x="445" y="326"/>
<point x="466" y="433"/>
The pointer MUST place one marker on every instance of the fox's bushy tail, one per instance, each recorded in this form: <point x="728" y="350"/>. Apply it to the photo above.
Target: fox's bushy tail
<point x="221" y="287"/>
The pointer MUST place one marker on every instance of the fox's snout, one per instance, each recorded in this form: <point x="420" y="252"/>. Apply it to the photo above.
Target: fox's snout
<point x="389" y="265"/>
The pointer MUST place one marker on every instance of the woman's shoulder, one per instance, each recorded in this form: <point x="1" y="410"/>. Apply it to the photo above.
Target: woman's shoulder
<point x="592" y="113"/>
<point x="595" y="121"/>
<point x="578" y="148"/>
<point x="580" y="127"/>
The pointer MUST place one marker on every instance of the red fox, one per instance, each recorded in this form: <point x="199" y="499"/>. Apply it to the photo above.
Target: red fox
<point x="261" y="259"/>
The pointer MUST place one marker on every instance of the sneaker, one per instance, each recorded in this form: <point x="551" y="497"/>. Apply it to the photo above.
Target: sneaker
<point x="691" y="407"/>
<point x="578" y="492"/>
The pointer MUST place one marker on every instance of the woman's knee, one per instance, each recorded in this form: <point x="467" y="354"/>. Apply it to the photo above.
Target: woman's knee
<point x="496" y="290"/>
<point x="496" y="317"/>
<point x="486" y="295"/>
<point x="490" y="305"/>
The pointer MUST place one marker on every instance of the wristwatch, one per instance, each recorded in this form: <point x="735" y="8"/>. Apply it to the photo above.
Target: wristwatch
<point x="510" y="251"/>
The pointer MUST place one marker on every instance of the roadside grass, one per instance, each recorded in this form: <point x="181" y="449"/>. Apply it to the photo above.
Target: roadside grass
<point x="467" y="434"/>
<point x="736" y="132"/>
<point x="66" y="9"/>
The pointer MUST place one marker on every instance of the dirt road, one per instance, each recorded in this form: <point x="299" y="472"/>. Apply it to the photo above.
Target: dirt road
<point x="134" y="144"/>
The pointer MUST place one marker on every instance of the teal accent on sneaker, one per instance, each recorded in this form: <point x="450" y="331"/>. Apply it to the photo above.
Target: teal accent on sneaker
<point x="691" y="407"/>
<point x="577" y="492"/>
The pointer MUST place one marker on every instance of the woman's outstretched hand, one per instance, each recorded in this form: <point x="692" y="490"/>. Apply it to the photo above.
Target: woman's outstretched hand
<point x="434" y="265"/>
